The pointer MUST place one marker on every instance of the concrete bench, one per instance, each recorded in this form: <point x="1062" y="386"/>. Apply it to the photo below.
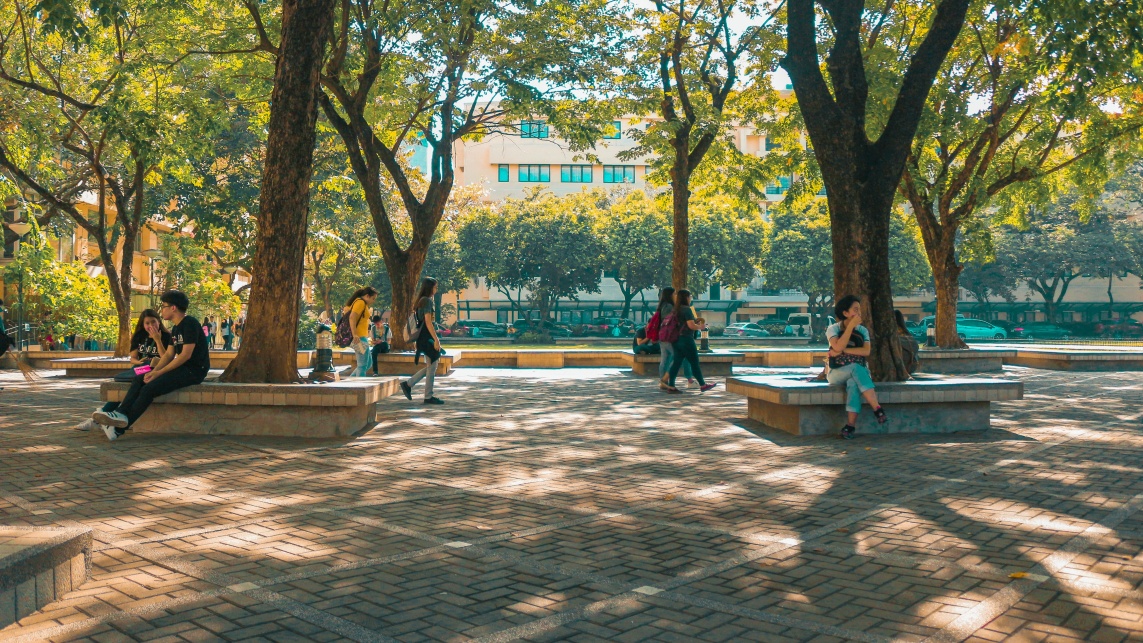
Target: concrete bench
<point x="336" y="409"/>
<point x="402" y="364"/>
<point x="718" y="362"/>
<point x="1059" y="359"/>
<point x="43" y="359"/>
<point x="970" y="360"/>
<point x="38" y="566"/>
<point x="782" y="357"/>
<point x="92" y="366"/>
<point x="925" y="405"/>
<point x="542" y="358"/>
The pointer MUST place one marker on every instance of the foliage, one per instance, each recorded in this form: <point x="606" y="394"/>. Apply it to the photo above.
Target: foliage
<point x="799" y="256"/>
<point x="186" y="266"/>
<point x="636" y="235"/>
<point x="726" y="240"/>
<point x="61" y="295"/>
<point x="908" y="267"/>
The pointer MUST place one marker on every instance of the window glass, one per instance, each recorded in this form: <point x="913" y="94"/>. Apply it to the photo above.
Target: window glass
<point x="533" y="173"/>
<point x="533" y="129"/>
<point x="616" y="130"/>
<point x="618" y="173"/>
<point x="502" y="173"/>
<point x="575" y="173"/>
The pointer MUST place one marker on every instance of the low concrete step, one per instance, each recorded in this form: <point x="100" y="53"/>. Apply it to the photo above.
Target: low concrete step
<point x="39" y="566"/>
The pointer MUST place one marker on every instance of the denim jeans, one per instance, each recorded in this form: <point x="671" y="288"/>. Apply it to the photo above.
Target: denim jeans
<point x="361" y="348"/>
<point x="666" y="356"/>
<point x="857" y="381"/>
<point x="429" y="374"/>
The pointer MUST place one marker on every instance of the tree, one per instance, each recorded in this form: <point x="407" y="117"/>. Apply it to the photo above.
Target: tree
<point x="400" y="74"/>
<point x="636" y="235"/>
<point x="694" y="61"/>
<point x="727" y="244"/>
<point x="110" y="121"/>
<point x="1020" y="107"/>
<point x="487" y="250"/>
<point x="987" y="279"/>
<point x="861" y="149"/>
<point x="798" y="257"/>
<point x="266" y="354"/>
<point x="187" y="266"/>
<point x="63" y="295"/>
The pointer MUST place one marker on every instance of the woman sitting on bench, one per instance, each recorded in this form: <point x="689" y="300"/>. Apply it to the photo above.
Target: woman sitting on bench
<point x="848" y="349"/>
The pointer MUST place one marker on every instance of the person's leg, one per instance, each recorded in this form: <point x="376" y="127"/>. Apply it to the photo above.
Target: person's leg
<point x="676" y="364"/>
<point x="362" y="352"/>
<point x="690" y="353"/>
<point x="165" y="383"/>
<point x="843" y="375"/>
<point x="430" y="377"/>
<point x="132" y="394"/>
<point x="376" y="350"/>
<point x="864" y="382"/>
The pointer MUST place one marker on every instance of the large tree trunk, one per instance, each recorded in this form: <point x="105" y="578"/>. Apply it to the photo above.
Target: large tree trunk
<point x="948" y="293"/>
<point x="404" y="272"/>
<point x="680" y="204"/>
<point x="269" y="342"/>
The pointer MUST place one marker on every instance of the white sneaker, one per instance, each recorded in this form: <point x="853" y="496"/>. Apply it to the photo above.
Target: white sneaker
<point x="113" y="418"/>
<point x="86" y="425"/>
<point x="110" y="432"/>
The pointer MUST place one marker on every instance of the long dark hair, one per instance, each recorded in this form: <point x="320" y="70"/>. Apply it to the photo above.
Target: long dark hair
<point x="682" y="299"/>
<point x="359" y="293"/>
<point x="426" y="289"/>
<point x="140" y="335"/>
<point x="901" y="327"/>
<point x="666" y="296"/>
<point x="844" y="304"/>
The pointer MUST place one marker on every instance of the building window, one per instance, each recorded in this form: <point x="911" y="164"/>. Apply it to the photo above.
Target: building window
<point x="533" y="129"/>
<point x="575" y="173"/>
<point x="502" y="173"/>
<point x="534" y="174"/>
<point x="822" y="192"/>
<point x="615" y="131"/>
<point x="781" y="187"/>
<point x="618" y="173"/>
<point x="771" y="144"/>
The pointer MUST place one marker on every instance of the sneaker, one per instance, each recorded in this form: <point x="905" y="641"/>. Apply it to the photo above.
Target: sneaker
<point x="434" y="400"/>
<point x="690" y="381"/>
<point x="86" y="425"/>
<point x="706" y="387"/>
<point x="112" y="418"/>
<point x="662" y="386"/>
<point x="847" y="432"/>
<point x="110" y="432"/>
<point x="879" y="413"/>
<point x="671" y="389"/>
<point x="407" y="390"/>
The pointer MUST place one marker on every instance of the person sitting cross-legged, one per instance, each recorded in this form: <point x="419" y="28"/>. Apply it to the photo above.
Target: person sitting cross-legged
<point x="185" y="366"/>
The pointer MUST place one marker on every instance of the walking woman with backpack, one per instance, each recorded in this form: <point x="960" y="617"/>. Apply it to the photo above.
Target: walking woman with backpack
<point x="666" y="349"/>
<point x="681" y="326"/>
<point x="353" y="327"/>
<point x="848" y="349"/>
<point x="422" y="330"/>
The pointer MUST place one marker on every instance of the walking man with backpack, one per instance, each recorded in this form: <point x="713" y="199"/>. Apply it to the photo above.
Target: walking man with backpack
<point x="421" y="330"/>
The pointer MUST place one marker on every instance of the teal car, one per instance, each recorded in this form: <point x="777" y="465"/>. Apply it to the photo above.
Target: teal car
<point x="979" y="329"/>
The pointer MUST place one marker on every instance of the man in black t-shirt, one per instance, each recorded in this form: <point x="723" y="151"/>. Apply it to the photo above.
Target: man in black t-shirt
<point x="640" y="345"/>
<point x="186" y="366"/>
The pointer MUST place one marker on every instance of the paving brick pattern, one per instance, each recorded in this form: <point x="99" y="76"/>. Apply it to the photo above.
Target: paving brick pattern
<point x="584" y="505"/>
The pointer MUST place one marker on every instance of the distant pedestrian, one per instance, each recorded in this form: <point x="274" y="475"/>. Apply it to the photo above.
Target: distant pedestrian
<point x="238" y="329"/>
<point x="643" y="345"/>
<point x="666" y="348"/>
<point x="227" y="329"/>
<point x="685" y="349"/>
<point x="849" y="346"/>
<point x="208" y="330"/>
<point x="379" y="335"/>
<point x="357" y="308"/>
<point x="427" y="342"/>
<point x="910" y="349"/>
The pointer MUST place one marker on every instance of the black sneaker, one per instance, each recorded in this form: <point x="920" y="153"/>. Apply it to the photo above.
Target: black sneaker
<point x="879" y="413"/>
<point x="847" y="432"/>
<point x="407" y="391"/>
<point x="434" y="400"/>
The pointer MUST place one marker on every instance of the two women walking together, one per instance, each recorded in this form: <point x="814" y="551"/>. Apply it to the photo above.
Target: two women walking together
<point x="673" y="326"/>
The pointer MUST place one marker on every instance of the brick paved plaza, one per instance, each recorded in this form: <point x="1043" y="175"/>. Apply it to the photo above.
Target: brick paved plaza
<point x="584" y="505"/>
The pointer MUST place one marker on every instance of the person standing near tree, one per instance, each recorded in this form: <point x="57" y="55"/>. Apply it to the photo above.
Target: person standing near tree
<point x="427" y="341"/>
<point x="849" y="346"/>
<point x="685" y="348"/>
<point x="184" y="366"/>
<point x="358" y="310"/>
<point x="227" y="329"/>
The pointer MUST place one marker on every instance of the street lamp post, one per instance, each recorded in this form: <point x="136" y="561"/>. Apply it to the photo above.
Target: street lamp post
<point x="152" y="254"/>
<point x="21" y="228"/>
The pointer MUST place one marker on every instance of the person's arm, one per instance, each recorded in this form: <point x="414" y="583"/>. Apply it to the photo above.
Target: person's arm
<point x="864" y="350"/>
<point x="837" y="344"/>
<point x="432" y="328"/>
<point x="354" y="316"/>
<point x="692" y="323"/>
<point x="171" y="361"/>
<point x="134" y="357"/>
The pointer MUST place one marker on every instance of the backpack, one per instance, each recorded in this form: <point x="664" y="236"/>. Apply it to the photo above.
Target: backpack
<point x="909" y="348"/>
<point x="653" y="327"/>
<point x="669" y="330"/>
<point x="344" y="335"/>
<point x="413" y="327"/>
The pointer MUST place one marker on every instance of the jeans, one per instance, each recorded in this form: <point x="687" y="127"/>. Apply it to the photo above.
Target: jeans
<point x="226" y="342"/>
<point x="140" y="395"/>
<point x="686" y="352"/>
<point x="666" y="356"/>
<point x="361" y="348"/>
<point x="857" y="381"/>
<point x="378" y="349"/>
<point x="428" y="373"/>
<point x="645" y="349"/>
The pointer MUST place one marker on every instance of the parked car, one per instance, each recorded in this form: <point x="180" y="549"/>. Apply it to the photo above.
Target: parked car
<point x="479" y="328"/>
<point x="610" y="327"/>
<point x="745" y="329"/>
<point x="799" y="323"/>
<point x="443" y="331"/>
<point x="979" y="329"/>
<point x="1119" y="328"/>
<point x="917" y="330"/>
<point x="533" y="326"/>
<point x="1040" y="330"/>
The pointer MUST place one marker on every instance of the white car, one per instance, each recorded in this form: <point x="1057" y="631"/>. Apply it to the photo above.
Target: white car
<point x="745" y="329"/>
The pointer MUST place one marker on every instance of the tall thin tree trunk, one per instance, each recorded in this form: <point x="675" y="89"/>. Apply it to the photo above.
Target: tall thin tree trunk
<point x="946" y="276"/>
<point x="680" y="202"/>
<point x="269" y="342"/>
<point x="1110" y="296"/>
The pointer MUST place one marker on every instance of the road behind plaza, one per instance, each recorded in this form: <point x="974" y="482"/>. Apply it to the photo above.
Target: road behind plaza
<point x="582" y="504"/>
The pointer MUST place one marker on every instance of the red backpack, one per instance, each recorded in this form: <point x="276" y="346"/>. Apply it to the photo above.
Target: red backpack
<point x="653" y="327"/>
<point x="669" y="330"/>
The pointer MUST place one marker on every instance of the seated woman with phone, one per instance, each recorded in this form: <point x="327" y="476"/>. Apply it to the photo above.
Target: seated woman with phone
<point x="149" y="343"/>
